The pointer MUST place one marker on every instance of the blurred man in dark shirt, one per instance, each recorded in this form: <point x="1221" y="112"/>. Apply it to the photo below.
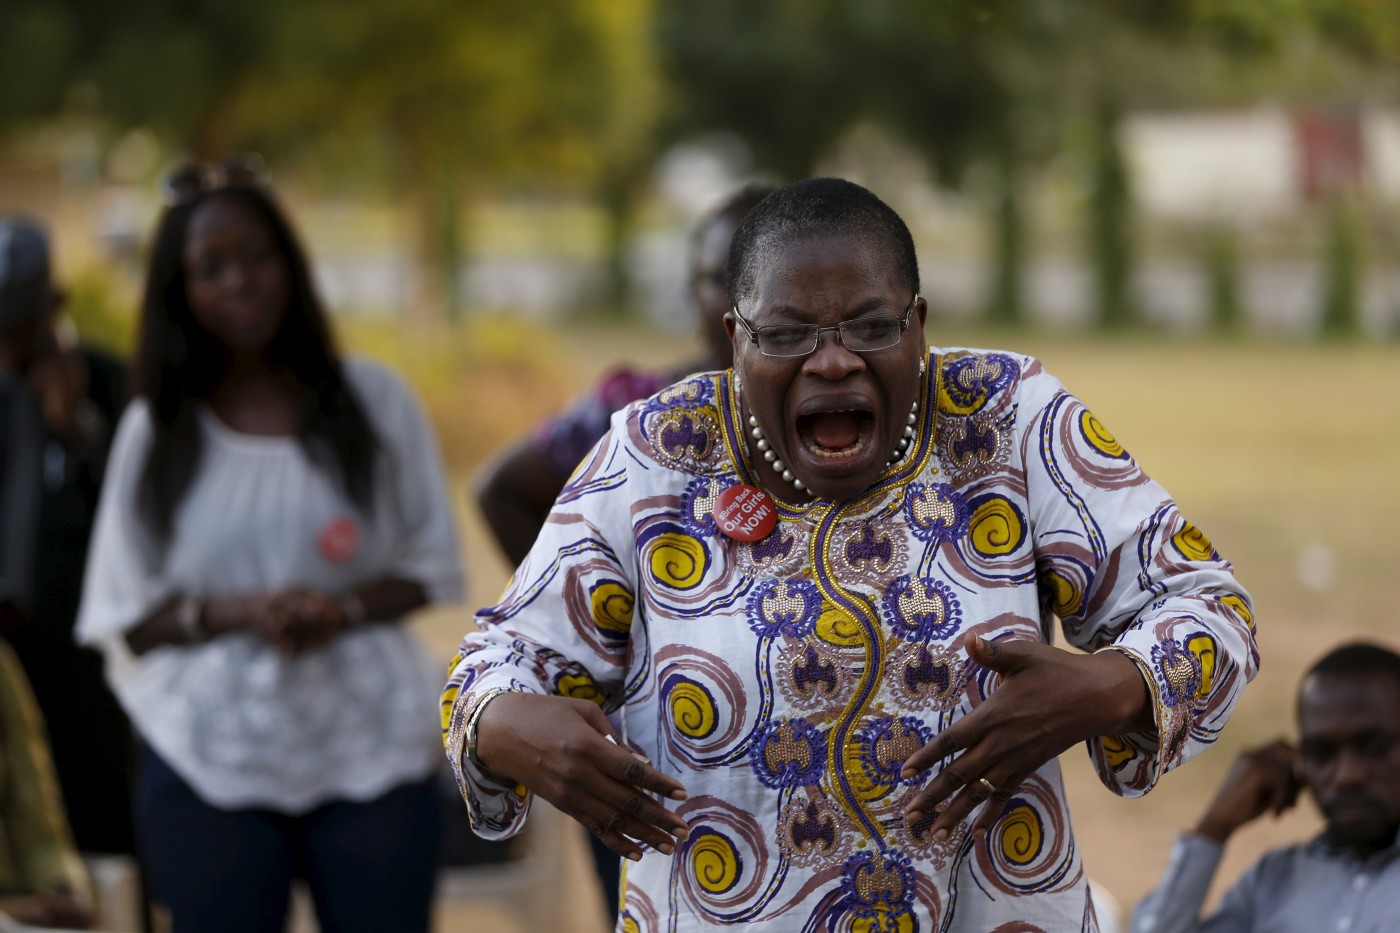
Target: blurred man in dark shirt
<point x="58" y="405"/>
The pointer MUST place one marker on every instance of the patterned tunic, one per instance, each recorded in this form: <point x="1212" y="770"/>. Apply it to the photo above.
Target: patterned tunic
<point x="784" y="682"/>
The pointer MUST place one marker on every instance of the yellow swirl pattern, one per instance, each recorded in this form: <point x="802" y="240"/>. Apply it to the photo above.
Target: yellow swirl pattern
<point x="1192" y="543"/>
<point x="1098" y="436"/>
<point x="1241" y="609"/>
<point x="836" y="627"/>
<point x="1203" y="647"/>
<point x="449" y="699"/>
<point x="692" y="710"/>
<point x="866" y="790"/>
<point x="677" y="561"/>
<point x="612" y="607"/>
<point x="714" y="862"/>
<point x="1117" y="751"/>
<point x="1065" y="597"/>
<point x="630" y="924"/>
<point x="1020" y="835"/>
<point x="579" y="687"/>
<point x="995" y="528"/>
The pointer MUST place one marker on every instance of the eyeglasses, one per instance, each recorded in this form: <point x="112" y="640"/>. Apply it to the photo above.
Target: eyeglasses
<point x="190" y="181"/>
<point x="863" y="335"/>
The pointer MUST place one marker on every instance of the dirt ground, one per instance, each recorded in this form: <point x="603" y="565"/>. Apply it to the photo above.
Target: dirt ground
<point x="1284" y="453"/>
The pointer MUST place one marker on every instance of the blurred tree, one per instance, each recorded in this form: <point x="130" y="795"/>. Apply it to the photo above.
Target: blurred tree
<point x="1341" y="299"/>
<point x="470" y="97"/>
<point x="1005" y="83"/>
<point x="1221" y="262"/>
<point x="38" y="43"/>
<point x="467" y="95"/>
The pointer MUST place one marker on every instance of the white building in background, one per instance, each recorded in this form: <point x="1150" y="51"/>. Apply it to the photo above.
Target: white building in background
<point x="1202" y="166"/>
<point x="1261" y="163"/>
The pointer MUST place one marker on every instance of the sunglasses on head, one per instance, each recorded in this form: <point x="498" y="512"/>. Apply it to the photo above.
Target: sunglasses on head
<point x="190" y="181"/>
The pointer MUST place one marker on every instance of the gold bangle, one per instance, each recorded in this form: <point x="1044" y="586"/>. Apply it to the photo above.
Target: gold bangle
<point x="474" y="719"/>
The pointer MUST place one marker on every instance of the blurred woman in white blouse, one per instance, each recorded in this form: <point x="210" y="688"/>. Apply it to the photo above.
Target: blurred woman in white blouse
<point x="271" y="513"/>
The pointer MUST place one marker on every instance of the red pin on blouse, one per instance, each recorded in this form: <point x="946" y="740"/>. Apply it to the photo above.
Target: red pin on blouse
<point x="745" y="513"/>
<point x="339" y="539"/>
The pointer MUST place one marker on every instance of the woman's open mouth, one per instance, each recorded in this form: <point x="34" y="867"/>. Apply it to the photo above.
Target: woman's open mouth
<point x="836" y="436"/>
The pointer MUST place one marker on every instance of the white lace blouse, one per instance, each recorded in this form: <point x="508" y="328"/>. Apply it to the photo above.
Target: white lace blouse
<point x="245" y="725"/>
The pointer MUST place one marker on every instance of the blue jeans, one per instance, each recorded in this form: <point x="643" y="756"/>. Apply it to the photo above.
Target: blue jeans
<point x="370" y="866"/>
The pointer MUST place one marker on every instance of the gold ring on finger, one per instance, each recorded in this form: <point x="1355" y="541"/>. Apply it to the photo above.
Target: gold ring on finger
<point x="987" y="785"/>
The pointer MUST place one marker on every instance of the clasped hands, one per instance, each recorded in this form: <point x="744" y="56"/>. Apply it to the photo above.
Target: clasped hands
<point x="294" y="620"/>
<point x="1048" y="700"/>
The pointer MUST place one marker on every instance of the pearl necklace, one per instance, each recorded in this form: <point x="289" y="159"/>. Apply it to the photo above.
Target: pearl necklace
<point x="782" y="470"/>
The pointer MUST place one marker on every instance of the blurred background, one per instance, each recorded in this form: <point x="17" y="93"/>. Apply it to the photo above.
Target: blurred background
<point x="1187" y="208"/>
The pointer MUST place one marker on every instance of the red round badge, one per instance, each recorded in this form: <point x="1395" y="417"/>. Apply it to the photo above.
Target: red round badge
<point x="339" y="539"/>
<point x="745" y="513"/>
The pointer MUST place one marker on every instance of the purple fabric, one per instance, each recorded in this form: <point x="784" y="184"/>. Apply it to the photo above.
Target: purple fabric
<point x="564" y="439"/>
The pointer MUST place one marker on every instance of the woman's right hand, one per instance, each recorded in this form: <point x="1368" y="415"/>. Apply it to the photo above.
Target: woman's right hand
<point x="564" y="750"/>
<point x="291" y="620"/>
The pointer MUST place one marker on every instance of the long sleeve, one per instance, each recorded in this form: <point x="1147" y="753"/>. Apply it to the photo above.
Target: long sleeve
<point x="1122" y="569"/>
<point x="425" y="547"/>
<point x="123" y="582"/>
<point x="574" y="593"/>
<point x="37" y="854"/>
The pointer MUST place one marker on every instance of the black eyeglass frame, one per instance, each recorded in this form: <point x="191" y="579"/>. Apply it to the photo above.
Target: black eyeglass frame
<point x="756" y="333"/>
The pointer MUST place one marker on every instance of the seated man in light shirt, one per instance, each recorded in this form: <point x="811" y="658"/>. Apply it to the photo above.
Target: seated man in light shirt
<point x="1348" y="756"/>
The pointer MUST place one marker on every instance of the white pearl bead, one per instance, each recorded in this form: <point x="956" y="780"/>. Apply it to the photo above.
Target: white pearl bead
<point x="762" y="443"/>
<point x="778" y="466"/>
<point x="769" y="455"/>
<point x="798" y="484"/>
<point x="787" y="475"/>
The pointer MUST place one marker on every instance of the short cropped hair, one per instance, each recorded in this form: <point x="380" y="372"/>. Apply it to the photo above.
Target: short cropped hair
<point x="1356" y="658"/>
<point x="819" y="207"/>
<point x="1359" y="657"/>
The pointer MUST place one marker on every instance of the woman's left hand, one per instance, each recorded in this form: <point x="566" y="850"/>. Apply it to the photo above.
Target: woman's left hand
<point x="306" y="619"/>
<point x="1047" y="701"/>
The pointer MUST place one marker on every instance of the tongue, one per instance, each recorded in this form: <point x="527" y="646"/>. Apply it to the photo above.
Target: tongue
<point x="836" y="430"/>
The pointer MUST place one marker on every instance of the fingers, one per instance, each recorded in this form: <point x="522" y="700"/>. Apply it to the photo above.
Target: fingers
<point x="635" y="818"/>
<point x="983" y="792"/>
<point x="300" y="620"/>
<point x="991" y="795"/>
<point x="946" y="743"/>
<point x="993" y="807"/>
<point x="627" y="816"/>
<point x="1006" y="657"/>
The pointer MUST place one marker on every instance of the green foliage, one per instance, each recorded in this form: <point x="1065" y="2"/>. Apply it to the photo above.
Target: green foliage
<point x="793" y="77"/>
<point x="98" y="308"/>
<point x="1341" y="295"/>
<point x="1109" y="229"/>
<point x="37" y="46"/>
<point x="1222" y="275"/>
<point x="1004" y="300"/>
